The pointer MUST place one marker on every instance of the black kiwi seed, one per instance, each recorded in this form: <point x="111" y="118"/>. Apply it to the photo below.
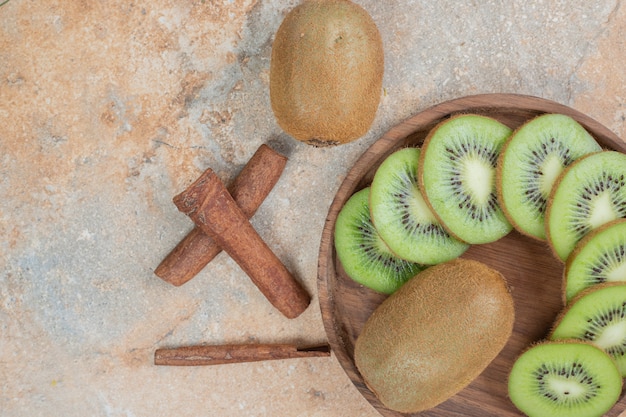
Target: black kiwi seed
<point x="594" y="187"/>
<point x="598" y="258"/>
<point x="573" y="372"/>
<point x="467" y="201"/>
<point x="410" y="223"/>
<point x="606" y="262"/>
<point x="537" y="158"/>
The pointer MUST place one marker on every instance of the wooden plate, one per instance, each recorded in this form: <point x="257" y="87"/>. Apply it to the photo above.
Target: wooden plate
<point x="528" y="265"/>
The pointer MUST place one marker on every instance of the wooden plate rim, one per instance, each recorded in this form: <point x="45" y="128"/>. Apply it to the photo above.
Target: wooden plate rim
<point x="392" y="139"/>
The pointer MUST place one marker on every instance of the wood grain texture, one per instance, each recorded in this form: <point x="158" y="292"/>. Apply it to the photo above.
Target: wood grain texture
<point x="533" y="273"/>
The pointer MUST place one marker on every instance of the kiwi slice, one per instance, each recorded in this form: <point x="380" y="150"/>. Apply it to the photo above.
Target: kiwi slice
<point x="402" y="217"/>
<point x="597" y="258"/>
<point x="597" y="315"/>
<point x="363" y="254"/>
<point x="531" y="160"/>
<point x="568" y="378"/>
<point x="457" y="177"/>
<point x="588" y="193"/>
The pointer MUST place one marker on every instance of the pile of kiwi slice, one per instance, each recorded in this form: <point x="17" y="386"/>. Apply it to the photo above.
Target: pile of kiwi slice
<point x="579" y="369"/>
<point x="474" y="180"/>
<point x="365" y="257"/>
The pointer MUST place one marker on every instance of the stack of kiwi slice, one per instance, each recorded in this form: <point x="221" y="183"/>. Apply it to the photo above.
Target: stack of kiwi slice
<point x="471" y="182"/>
<point x="594" y="294"/>
<point x="584" y="226"/>
<point x="365" y="257"/>
<point x="579" y="369"/>
<point x="531" y="161"/>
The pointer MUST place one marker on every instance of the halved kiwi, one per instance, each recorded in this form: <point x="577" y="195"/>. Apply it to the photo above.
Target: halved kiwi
<point x="597" y="258"/>
<point x="363" y="254"/>
<point x="587" y="194"/>
<point x="531" y="160"/>
<point x="402" y="217"/>
<point x="568" y="378"/>
<point x="597" y="315"/>
<point x="457" y="177"/>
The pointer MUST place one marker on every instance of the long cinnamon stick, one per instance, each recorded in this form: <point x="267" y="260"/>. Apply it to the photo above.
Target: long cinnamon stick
<point x="223" y="354"/>
<point x="208" y="203"/>
<point x="249" y="189"/>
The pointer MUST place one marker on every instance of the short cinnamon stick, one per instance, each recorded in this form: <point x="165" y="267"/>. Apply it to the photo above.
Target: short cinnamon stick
<point x="224" y="354"/>
<point x="249" y="189"/>
<point x="208" y="203"/>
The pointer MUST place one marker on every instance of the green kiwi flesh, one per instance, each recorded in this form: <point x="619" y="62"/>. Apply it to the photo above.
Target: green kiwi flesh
<point x="599" y="257"/>
<point x="566" y="378"/>
<point x="587" y="194"/>
<point x="529" y="164"/>
<point x="402" y="217"/>
<point x="363" y="255"/>
<point x="597" y="315"/>
<point x="457" y="176"/>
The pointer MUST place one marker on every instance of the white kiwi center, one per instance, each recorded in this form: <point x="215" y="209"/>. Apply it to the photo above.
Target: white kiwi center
<point x="617" y="274"/>
<point x="421" y="210"/>
<point x="612" y="335"/>
<point x="551" y="169"/>
<point x="602" y="210"/>
<point x="478" y="179"/>
<point x="566" y="388"/>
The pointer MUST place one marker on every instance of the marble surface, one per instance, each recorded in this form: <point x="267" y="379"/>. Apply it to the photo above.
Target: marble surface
<point x="109" y="108"/>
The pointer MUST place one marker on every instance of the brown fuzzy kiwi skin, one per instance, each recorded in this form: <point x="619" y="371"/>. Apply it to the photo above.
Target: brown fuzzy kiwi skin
<point x="557" y="182"/>
<point x="435" y="335"/>
<point x="326" y="72"/>
<point x="572" y="256"/>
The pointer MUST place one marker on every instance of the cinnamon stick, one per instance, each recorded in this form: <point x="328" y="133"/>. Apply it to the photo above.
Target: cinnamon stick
<point x="208" y="203"/>
<point x="249" y="189"/>
<point x="224" y="354"/>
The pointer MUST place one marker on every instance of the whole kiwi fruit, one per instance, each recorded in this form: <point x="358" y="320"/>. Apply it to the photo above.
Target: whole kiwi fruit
<point x="326" y="72"/>
<point x="435" y="335"/>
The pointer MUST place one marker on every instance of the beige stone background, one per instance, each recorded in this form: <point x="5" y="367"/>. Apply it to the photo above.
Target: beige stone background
<point x="108" y="108"/>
